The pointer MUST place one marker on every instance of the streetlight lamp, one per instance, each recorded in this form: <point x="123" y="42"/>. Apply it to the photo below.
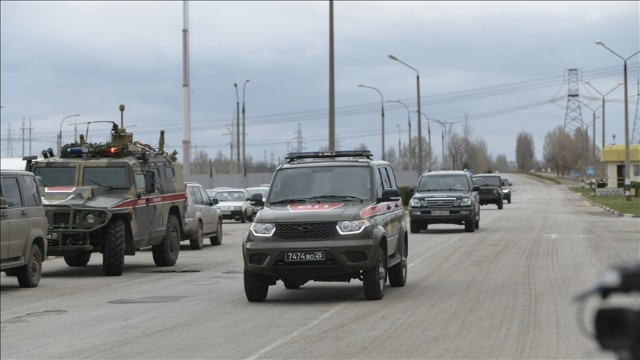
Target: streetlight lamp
<point x="381" y="112"/>
<point x="244" y="163"/>
<point x="419" y="112"/>
<point x="627" y="164"/>
<point x="603" y="101"/>
<point x="60" y="132"/>
<point x="408" y="118"/>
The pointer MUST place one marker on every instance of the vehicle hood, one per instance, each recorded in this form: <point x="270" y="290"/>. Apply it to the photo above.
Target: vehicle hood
<point x="440" y="194"/>
<point x="230" y="203"/>
<point x="324" y="211"/>
<point x="95" y="196"/>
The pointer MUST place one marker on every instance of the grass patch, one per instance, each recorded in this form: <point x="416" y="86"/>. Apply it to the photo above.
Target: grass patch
<point x="617" y="203"/>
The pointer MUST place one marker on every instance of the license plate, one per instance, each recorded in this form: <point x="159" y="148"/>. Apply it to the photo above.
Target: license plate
<point x="304" y="255"/>
<point x="439" y="213"/>
<point x="225" y="212"/>
<point x="52" y="236"/>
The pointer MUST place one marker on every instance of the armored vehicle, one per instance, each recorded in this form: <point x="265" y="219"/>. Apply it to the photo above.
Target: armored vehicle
<point x="112" y="198"/>
<point x="329" y="216"/>
<point x="445" y="197"/>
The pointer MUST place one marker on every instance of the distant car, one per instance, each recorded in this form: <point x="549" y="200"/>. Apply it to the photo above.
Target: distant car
<point x="23" y="245"/>
<point x="202" y="218"/>
<point x="264" y="191"/>
<point x="235" y="204"/>
<point x="212" y="192"/>
<point x="490" y="189"/>
<point x="445" y="197"/>
<point x="506" y="189"/>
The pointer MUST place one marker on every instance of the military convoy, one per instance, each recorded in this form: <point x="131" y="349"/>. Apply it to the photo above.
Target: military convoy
<point x="112" y="198"/>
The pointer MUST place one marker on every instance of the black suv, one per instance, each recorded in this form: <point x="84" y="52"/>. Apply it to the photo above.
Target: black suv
<point x="445" y="197"/>
<point x="490" y="189"/>
<point x="329" y="216"/>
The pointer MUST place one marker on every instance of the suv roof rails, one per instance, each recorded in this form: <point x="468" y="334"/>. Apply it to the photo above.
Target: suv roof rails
<point x="293" y="156"/>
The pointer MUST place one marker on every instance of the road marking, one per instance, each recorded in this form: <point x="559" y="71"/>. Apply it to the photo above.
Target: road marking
<point x="297" y="332"/>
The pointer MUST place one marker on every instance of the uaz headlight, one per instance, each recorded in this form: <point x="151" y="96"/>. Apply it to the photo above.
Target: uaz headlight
<point x="263" y="229"/>
<point x="351" y="227"/>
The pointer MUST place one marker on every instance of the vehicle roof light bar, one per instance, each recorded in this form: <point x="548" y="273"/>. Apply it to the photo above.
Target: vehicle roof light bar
<point x="292" y="156"/>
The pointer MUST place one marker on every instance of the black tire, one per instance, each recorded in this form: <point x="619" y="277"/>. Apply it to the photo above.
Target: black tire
<point x="113" y="252"/>
<point x="373" y="279"/>
<point x="243" y="217"/>
<point x="256" y="286"/>
<point x="500" y="205"/>
<point x="477" y="221"/>
<point x="398" y="272"/>
<point x="470" y="225"/>
<point x="414" y="226"/>
<point x="197" y="243"/>
<point x="217" y="238"/>
<point x="30" y="273"/>
<point x="166" y="253"/>
<point x="78" y="260"/>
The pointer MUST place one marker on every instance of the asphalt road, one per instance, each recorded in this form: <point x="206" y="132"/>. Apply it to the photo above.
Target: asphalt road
<point x="503" y="292"/>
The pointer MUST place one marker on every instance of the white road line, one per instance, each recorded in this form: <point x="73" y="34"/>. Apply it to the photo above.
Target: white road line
<point x="297" y="332"/>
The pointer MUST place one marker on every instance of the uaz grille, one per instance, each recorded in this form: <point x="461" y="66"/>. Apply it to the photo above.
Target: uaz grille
<point x="60" y="218"/>
<point x="440" y="202"/>
<point x="306" y="231"/>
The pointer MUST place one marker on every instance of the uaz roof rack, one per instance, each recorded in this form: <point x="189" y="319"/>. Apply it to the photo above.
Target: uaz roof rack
<point x="293" y="156"/>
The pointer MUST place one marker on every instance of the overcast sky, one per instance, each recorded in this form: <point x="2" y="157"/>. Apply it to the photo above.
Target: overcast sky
<point x="500" y="65"/>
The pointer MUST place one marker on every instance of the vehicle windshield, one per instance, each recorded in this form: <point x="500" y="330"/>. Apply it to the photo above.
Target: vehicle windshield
<point x="56" y="176"/>
<point x="443" y="183"/>
<point x="230" y="196"/>
<point x="325" y="183"/>
<point x="487" y="180"/>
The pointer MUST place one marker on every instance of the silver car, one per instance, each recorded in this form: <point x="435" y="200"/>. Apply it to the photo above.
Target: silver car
<point x="235" y="204"/>
<point x="24" y="228"/>
<point x="202" y="218"/>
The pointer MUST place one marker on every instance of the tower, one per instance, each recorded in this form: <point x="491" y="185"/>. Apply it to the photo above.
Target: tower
<point x="573" y="114"/>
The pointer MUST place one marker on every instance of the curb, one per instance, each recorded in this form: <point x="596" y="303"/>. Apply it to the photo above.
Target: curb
<point x="617" y="213"/>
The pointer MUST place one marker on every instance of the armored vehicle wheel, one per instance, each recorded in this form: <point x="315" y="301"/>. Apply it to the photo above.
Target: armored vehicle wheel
<point x="398" y="272"/>
<point x="166" y="253"/>
<point x="373" y="279"/>
<point x="197" y="243"/>
<point x="113" y="253"/>
<point x="29" y="274"/>
<point x="217" y="238"/>
<point x="78" y="260"/>
<point x="255" y="286"/>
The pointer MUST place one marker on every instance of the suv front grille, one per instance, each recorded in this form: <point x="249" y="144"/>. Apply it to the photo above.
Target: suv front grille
<point x="308" y="231"/>
<point x="60" y="218"/>
<point x="448" y="202"/>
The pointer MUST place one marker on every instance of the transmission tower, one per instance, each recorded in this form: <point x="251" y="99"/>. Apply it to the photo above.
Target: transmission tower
<point x="635" y="137"/>
<point x="9" y="141"/>
<point x="299" y="138"/>
<point x="573" y="115"/>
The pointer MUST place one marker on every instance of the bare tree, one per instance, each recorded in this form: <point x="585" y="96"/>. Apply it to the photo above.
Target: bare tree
<point x="558" y="150"/>
<point x="525" y="152"/>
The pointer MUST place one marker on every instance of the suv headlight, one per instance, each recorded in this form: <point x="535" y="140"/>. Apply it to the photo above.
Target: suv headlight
<point x="352" y="227"/>
<point x="465" y="201"/>
<point x="415" y="202"/>
<point x="263" y="229"/>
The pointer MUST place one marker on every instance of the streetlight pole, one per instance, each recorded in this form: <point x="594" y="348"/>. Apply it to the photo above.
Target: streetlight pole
<point x="593" y="136"/>
<point x="244" y="162"/>
<point x="399" y="141"/>
<point x="428" y="135"/>
<point x="408" y="118"/>
<point x="60" y="132"/>
<point x="627" y="163"/>
<point x="603" y="102"/>
<point x="381" y="112"/>
<point x="419" y="112"/>
<point x="235" y="85"/>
